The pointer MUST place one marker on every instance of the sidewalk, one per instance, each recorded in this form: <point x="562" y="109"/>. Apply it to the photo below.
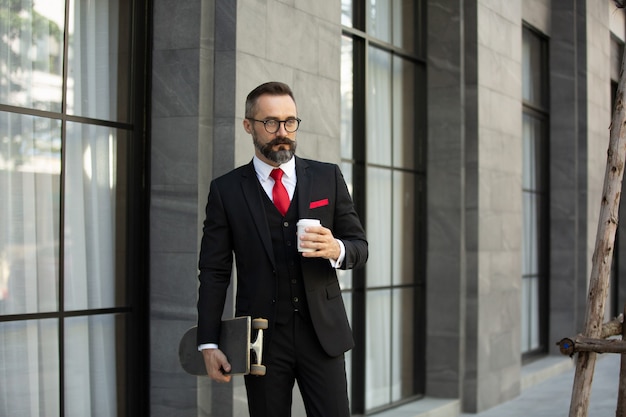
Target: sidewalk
<point x="546" y="392"/>
<point x="552" y="397"/>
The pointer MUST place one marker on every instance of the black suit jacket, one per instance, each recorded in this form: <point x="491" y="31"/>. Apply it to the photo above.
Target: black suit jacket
<point x="236" y="224"/>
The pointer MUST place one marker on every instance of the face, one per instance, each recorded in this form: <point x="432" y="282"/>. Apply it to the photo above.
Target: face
<point x="273" y="148"/>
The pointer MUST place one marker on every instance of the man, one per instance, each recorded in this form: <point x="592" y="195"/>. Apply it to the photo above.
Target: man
<point x="250" y="214"/>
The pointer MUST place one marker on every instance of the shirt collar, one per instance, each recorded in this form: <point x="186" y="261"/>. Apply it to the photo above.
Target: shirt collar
<point x="263" y="169"/>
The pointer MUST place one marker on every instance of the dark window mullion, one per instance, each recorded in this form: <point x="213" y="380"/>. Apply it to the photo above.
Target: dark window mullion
<point x="360" y="202"/>
<point x="61" y="305"/>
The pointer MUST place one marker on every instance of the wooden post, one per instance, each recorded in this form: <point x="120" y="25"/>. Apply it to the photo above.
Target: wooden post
<point x="603" y="252"/>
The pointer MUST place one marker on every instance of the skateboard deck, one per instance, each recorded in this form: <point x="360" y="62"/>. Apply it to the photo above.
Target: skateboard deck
<point x="235" y="342"/>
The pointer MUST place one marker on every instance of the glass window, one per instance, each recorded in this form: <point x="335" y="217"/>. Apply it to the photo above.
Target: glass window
<point x="382" y="141"/>
<point x="532" y="234"/>
<point x="379" y="19"/>
<point x="66" y="141"/>
<point x="534" y="89"/>
<point x="98" y="69"/>
<point x="378" y="372"/>
<point x="379" y="107"/>
<point x="403" y="346"/>
<point x="379" y="227"/>
<point x="91" y="343"/>
<point x="346" y="12"/>
<point x="534" y="191"/>
<point x="405" y="19"/>
<point x="405" y="193"/>
<point x="31" y="46"/>
<point x="404" y="113"/>
<point x="347" y="95"/>
<point x="95" y="185"/>
<point x="394" y="22"/>
<point x="29" y="361"/>
<point x="30" y="182"/>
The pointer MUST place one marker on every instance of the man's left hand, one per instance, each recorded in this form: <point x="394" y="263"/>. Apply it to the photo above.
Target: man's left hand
<point x="322" y="240"/>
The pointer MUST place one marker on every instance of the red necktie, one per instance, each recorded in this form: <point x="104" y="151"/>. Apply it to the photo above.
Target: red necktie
<point x="279" y="192"/>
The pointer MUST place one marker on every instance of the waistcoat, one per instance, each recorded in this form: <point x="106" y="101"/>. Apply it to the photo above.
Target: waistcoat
<point x="290" y="294"/>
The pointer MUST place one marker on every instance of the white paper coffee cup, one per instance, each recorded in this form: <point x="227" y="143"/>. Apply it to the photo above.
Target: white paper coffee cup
<point x="302" y="223"/>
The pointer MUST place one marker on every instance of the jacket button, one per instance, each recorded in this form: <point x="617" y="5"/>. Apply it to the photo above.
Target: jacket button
<point x="286" y="224"/>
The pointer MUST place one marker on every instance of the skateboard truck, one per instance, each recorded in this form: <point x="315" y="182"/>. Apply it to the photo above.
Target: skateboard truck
<point x="257" y="346"/>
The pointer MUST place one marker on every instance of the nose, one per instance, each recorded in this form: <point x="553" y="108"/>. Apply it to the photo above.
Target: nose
<point x="282" y="131"/>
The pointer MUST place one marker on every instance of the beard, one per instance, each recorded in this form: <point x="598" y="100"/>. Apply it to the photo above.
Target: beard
<point x="287" y="149"/>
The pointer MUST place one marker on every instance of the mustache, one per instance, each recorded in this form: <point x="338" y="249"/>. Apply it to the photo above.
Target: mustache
<point x="280" y="140"/>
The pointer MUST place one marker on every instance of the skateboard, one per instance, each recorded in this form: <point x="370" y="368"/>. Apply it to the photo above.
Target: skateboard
<point x="235" y="342"/>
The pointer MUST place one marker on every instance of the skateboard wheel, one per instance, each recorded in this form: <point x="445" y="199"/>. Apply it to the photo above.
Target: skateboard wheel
<point x="259" y="324"/>
<point x="258" y="370"/>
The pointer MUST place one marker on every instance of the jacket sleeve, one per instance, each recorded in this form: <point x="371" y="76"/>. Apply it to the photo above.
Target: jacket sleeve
<point x="347" y="226"/>
<point x="215" y="267"/>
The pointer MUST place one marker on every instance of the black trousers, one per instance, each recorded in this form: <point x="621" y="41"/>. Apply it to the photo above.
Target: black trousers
<point x="294" y="354"/>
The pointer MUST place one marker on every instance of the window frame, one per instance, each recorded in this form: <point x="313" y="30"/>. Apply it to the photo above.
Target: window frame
<point x="540" y="111"/>
<point x="135" y="399"/>
<point x="361" y="44"/>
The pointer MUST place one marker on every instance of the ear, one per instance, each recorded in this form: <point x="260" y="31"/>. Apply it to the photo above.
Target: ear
<point x="247" y="125"/>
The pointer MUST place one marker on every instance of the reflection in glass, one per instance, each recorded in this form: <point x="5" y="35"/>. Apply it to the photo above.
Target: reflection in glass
<point x="402" y="344"/>
<point x="346" y="12"/>
<point x="533" y="89"/>
<point x="379" y="107"/>
<point x="378" y="348"/>
<point x="404" y="114"/>
<point x="379" y="19"/>
<point x="405" y="24"/>
<point x="530" y="235"/>
<point x="532" y="131"/>
<point x="403" y="248"/>
<point x="347" y="97"/>
<point x="98" y="69"/>
<point x="95" y="366"/>
<point x="31" y="47"/>
<point x="378" y="227"/>
<point x="530" y="314"/>
<point x="394" y="21"/>
<point x="532" y="198"/>
<point x="95" y="209"/>
<point x="347" y="300"/>
<point x="29" y="368"/>
<point x="30" y="166"/>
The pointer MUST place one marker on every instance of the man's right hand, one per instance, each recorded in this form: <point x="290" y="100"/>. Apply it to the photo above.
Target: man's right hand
<point x="216" y="364"/>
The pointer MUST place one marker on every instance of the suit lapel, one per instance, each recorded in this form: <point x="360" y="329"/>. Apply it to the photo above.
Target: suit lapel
<point x="304" y="187"/>
<point x="252" y="193"/>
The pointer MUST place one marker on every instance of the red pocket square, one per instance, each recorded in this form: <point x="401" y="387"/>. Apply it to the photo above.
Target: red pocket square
<point x="318" y="203"/>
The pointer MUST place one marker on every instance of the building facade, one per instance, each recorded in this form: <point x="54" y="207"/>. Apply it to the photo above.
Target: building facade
<point x="472" y="136"/>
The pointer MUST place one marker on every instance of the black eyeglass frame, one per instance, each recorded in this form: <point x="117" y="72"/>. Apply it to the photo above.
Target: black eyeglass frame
<point x="266" y="121"/>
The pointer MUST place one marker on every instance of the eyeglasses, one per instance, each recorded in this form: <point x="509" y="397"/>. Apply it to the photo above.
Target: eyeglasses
<point x="272" y="125"/>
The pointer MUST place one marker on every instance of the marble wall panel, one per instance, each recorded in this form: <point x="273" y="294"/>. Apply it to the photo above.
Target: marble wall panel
<point x="178" y="24"/>
<point x="175" y="83"/>
<point x="174" y="159"/>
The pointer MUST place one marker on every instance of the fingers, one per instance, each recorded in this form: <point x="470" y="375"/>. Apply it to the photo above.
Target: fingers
<point x="216" y="364"/>
<point x="322" y="240"/>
